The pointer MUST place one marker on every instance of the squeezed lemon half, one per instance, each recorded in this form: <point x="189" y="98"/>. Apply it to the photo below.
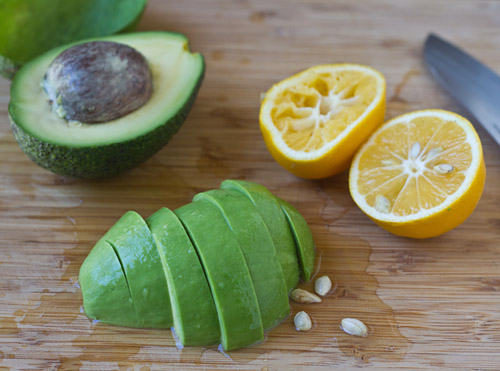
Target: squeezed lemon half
<point x="314" y="121"/>
<point x="420" y="174"/>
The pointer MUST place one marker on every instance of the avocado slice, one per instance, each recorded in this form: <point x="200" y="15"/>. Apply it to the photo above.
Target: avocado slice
<point x="193" y="308"/>
<point x="303" y="239"/>
<point x="226" y="272"/>
<point x="259" y="252"/>
<point x="105" y="291"/>
<point x="270" y="210"/>
<point x="96" y="150"/>
<point x="134" y="245"/>
<point x="32" y="27"/>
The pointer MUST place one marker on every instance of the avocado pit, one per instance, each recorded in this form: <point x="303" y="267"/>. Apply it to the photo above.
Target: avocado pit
<point x="97" y="82"/>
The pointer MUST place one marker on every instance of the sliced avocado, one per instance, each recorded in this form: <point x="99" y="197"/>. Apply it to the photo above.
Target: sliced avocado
<point x="106" y="295"/>
<point x="32" y="27"/>
<point x="259" y="251"/>
<point x="102" y="149"/>
<point x="303" y="239"/>
<point x="226" y="272"/>
<point x="136" y="249"/>
<point x="193" y="308"/>
<point x="270" y="210"/>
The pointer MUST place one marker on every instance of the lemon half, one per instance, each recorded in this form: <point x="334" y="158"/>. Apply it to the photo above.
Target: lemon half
<point x="314" y="121"/>
<point x="420" y="174"/>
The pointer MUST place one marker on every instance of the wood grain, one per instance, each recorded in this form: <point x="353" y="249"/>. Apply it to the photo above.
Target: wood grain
<point x="428" y="304"/>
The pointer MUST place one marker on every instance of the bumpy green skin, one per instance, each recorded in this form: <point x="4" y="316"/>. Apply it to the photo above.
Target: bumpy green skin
<point x="194" y="314"/>
<point x="8" y="68"/>
<point x="32" y="27"/>
<point x="106" y="295"/>
<point x="101" y="161"/>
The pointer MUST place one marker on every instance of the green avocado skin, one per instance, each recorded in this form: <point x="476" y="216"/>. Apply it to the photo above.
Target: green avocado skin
<point x="270" y="210"/>
<point x="134" y="245"/>
<point x="106" y="295"/>
<point x="259" y="251"/>
<point x="227" y="274"/>
<point x="101" y="161"/>
<point x="32" y="27"/>
<point x="193" y="308"/>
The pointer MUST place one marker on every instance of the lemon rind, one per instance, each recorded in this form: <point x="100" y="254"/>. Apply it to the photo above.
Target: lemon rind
<point x="276" y="137"/>
<point x="476" y="152"/>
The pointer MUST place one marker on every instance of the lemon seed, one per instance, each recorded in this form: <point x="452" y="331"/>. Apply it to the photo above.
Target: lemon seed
<point x="415" y="150"/>
<point x="303" y="296"/>
<point x="444" y="169"/>
<point x="354" y="326"/>
<point x="323" y="285"/>
<point x="302" y="321"/>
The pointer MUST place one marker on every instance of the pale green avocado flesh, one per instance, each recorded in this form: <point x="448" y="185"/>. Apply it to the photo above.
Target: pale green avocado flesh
<point x="259" y="252"/>
<point x="227" y="274"/>
<point x="97" y="150"/>
<point x="212" y="268"/>
<point x="270" y="210"/>
<point x="193" y="309"/>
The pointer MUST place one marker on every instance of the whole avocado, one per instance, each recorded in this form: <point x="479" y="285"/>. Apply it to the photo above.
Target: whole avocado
<point x="32" y="27"/>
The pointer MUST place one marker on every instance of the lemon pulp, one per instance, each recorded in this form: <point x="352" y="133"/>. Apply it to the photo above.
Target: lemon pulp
<point x="420" y="174"/>
<point x="315" y="111"/>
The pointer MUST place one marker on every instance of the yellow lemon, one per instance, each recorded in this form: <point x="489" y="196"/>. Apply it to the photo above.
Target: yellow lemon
<point x="314" y="121"/>
<point x="420" y="174"/>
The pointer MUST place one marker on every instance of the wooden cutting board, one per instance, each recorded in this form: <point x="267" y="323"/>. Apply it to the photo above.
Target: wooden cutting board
<point x="428" y="304"/>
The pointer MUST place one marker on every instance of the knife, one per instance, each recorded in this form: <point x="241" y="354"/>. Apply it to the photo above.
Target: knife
<point x="470" y="82"/>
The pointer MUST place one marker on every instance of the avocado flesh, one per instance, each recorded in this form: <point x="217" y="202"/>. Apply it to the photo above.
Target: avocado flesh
<point x="134" y="245"/>
<point x="106" y="295"/>
<point x="259" y="252"/>
<point x="97" y="150"/>
<point x="303" y="239"/>
<point x="194" y="314"/>
<point x="270" y="210"/>
<point x="32" y="27"/>
<point x="227" y="274"/>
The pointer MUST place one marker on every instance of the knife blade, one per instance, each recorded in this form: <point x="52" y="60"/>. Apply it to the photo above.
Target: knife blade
<point x="475" y="86"/>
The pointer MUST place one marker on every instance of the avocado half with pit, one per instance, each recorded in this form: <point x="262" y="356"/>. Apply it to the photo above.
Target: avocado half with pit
<point x="210" y="268"/>
<point x="32" y="27"/>
<point x="97" y="121"/>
